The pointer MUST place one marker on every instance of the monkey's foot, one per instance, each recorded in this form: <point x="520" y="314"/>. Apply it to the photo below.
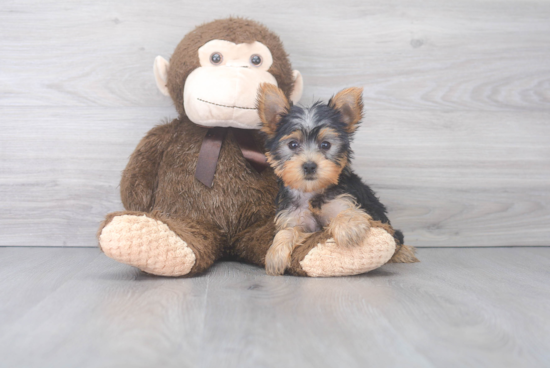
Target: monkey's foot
<point x="147" y="244"/>
<point x="320" y="256"/>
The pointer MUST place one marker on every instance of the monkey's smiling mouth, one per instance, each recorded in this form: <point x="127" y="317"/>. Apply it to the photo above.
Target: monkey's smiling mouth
<point x="231" y="107"/>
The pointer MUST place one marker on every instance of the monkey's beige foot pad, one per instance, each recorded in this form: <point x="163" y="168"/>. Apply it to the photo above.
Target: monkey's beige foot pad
<point x="329" y="259"/>
<point x="147" y="244"/>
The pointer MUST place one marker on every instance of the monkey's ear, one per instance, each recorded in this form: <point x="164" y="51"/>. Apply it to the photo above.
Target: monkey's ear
<point x="160" y="68"/>
<point x="349" y="102"/>
<point x="298" y="87"/>
<point x="272" y="105"/>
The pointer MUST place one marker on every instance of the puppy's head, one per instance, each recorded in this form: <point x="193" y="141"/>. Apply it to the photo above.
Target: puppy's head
<point x="309" y="147"/>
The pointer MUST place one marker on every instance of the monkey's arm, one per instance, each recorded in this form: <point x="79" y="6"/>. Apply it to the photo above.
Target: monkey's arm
<point x="139" y="179"/>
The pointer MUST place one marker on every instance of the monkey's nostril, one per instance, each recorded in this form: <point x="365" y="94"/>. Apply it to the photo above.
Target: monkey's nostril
<point x="309" y="167"/>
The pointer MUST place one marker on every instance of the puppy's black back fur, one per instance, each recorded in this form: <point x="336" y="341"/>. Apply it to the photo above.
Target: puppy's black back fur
<point x="351" y="183"/>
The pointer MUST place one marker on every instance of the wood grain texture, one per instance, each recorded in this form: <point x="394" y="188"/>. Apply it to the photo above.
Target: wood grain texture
<point x="61" y="180"/>
<point x="483" y="307"/>
<point x="443" y="185"/>
<point x="457" y="98"/>
<point x="416" y="54"/>
<point x="105" y="315"/>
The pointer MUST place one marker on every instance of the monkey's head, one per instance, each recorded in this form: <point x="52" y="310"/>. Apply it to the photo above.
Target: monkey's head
<point x="215" y="71"/>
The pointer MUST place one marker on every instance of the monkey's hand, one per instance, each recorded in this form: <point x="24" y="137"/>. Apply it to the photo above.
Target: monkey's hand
<point x="137" y="185"/>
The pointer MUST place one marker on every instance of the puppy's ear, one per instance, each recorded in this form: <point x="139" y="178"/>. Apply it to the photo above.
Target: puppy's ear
<point x="349" y="102"/>
<point x="272" y="105"/>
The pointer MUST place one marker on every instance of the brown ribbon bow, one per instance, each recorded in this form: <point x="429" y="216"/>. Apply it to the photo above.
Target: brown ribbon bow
<point x="210" y="151"/>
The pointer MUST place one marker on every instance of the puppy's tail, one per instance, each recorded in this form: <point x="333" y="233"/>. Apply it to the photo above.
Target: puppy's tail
<point x="404" y="255"/>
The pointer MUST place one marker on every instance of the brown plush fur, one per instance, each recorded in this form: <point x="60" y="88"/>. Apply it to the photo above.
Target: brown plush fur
<point x="233" y="219"/>
<point x="160" y="179"/>
<point x="238" y="30"/>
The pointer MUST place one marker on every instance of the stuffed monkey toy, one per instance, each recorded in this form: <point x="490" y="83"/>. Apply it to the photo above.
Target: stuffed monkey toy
<point x="199" y="189"/>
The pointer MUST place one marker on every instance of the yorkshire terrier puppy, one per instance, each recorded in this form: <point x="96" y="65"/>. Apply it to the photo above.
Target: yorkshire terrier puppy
<point x="309" y="150"/>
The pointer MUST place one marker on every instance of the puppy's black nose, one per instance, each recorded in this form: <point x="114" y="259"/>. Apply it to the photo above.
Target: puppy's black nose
<point x="309" y="167"/>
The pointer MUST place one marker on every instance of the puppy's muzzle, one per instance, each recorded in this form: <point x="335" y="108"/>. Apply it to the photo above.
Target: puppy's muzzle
<point x="310" y="168"/>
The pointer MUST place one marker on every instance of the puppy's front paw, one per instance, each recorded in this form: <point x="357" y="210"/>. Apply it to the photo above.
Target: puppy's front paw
<point x="277" y="259"/>
<point x="349" y="227"/>
<point x="278" y="256"/>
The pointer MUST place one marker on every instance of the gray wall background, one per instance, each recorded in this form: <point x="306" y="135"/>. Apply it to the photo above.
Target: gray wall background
<point x="457" y="96"/>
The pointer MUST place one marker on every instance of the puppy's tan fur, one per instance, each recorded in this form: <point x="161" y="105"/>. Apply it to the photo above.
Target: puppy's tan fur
<point x="271" y="104"/>
<point x="350" y="104"/>
<point x="341" y="218"/>
<point x="278" y="256"/>
<point x="350" y="225"/>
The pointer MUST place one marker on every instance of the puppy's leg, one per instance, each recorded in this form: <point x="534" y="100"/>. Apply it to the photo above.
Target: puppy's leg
<point x="279" y="254"/>
<point x="349" y="227"/>
<point x="344" y="220"/>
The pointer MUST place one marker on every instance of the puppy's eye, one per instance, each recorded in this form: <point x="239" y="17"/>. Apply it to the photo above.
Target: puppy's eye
<point x="216" y="58"/>
<point x="293" y="145"/>
<point x="325" y="145"/>
<point x="256" y="60"/>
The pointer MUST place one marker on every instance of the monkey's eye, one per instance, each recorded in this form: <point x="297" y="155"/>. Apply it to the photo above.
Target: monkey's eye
<point x="256" y="60"/>
<point x="325" y="146"/>
<point x="293" y="145"/>
<point x="216" y="58"/>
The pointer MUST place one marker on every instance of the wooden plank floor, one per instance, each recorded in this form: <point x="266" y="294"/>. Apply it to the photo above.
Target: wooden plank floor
<point x="469" y="307"/>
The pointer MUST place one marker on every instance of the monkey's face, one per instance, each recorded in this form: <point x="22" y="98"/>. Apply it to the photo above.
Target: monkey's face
<point x="222" y="90"/>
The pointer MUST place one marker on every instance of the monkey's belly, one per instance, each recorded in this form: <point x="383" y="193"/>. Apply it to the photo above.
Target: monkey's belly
<point x="234" y="202"/>
<point x="238" y="198"/>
